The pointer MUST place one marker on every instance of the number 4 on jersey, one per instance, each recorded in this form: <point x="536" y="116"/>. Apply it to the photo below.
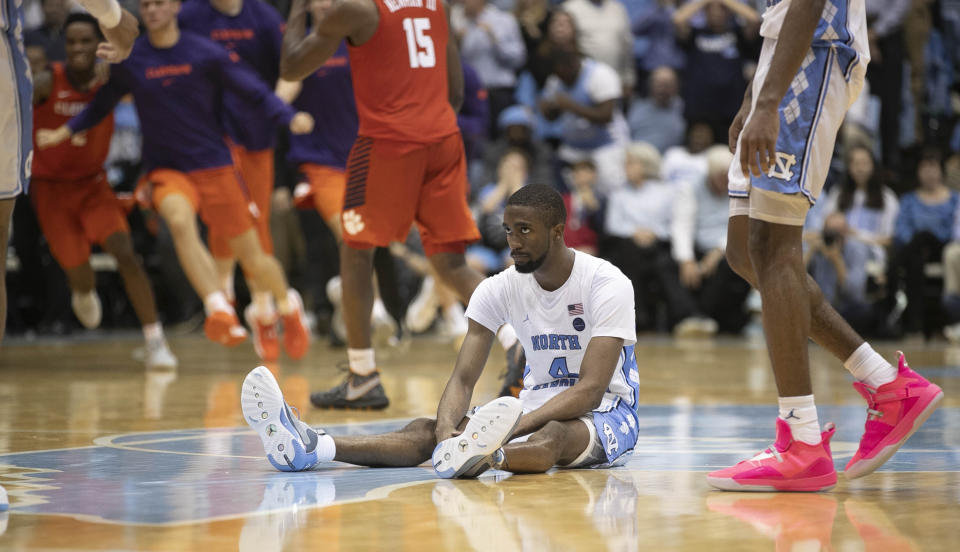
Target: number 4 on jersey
<point x="419" y="45"/>
<point x="558" y="368"/>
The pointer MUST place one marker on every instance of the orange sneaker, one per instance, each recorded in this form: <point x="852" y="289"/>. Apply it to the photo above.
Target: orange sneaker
<point x="296" y="336"/>
<point x="223" y="327"/>
<point x="266" y="342"/>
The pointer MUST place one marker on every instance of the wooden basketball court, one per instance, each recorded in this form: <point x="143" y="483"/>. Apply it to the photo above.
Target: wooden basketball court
<point x="97" y="454"/>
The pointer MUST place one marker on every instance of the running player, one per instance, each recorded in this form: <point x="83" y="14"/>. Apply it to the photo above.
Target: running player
<point x="16" y="99"/>
<point x="74" y="203"/>
<point x="177" y="81"/>
<point x="253" y="30"/>
<point x="783" y="137"/>
<point x="407" y="164"/>
<point x="574" y="313"/>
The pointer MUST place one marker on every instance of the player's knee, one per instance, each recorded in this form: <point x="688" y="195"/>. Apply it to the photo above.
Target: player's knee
<point x="551" y="436"/>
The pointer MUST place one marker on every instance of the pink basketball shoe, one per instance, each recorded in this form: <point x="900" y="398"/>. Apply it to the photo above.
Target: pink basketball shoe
<point x="895" y="410"/>
<point x="787" y="465"/>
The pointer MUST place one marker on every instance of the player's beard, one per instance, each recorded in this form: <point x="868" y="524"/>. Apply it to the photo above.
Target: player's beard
<point x="532" y="264"/>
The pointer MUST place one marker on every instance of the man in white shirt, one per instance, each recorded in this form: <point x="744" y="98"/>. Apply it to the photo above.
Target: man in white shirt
<point x="573" y="314"/>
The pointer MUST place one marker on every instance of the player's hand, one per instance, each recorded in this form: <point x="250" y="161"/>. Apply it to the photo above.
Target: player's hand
<point x="690" y="274"/>
<point x="120" y="39"/>
<point x="302" y="123"/>
<point x="758" y="141"/>
<point x="736" y="127"/>
<point x="48" y="138"/>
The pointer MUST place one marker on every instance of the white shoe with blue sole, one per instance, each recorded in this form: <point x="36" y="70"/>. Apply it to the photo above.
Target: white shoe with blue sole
<point x="290" y="444"/>
<point x="471" y="452"/>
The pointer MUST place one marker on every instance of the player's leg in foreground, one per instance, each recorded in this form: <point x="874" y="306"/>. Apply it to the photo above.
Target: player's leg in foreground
<point x="268" y="273"/>
<point x="140" y="293"/>
<point x="764" y="247"/>
<point x="292" y="445"/>
<point x="180" y="215"/>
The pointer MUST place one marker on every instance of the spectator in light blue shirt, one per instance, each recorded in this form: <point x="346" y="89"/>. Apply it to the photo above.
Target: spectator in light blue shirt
<point x="658" y="119"/>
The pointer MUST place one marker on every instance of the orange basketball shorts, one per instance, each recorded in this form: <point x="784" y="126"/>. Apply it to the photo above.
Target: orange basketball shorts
<point x="391" y="185"/>
<point x="216" y="194"/>
<point x="73" y="215"/>
<point x="327" y="185"/>
<point x="256" y="174"/>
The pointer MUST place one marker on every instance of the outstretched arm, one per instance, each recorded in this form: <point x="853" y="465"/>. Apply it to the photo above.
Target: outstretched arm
<point x="456" y="396"/>
<point x="97" y="110"/>
<point x="303" y="54"/>
<point x="759" y="138"/>
<point x="119" y="27"/>
<point x="596" y="371"/>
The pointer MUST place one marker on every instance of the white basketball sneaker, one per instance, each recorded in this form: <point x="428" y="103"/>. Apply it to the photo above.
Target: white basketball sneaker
<point x="477" y="449"/>
<point x="86" y="306"/>
<point x="290" y="444"/>
<point x="158" y="355"/>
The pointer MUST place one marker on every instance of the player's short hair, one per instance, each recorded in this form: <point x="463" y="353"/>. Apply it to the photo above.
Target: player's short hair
<point x="83" y="17"/>
<point x="544" y="199"/>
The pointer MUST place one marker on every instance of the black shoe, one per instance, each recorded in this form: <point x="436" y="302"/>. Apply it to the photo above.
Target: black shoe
<point x="357" y="392"/>
<point x="513" y="378"/>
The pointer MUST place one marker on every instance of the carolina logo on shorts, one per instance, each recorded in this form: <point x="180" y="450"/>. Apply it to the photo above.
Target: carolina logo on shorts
<point x="782" y="170"/>
<point x="612" y="444"/>
<point x="352" y="222"/>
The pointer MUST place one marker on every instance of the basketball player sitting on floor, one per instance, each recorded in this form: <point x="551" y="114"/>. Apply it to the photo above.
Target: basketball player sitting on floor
<point x="574" y="315"/>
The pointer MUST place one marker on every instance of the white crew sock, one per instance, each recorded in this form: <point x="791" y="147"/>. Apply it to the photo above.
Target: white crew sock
<point x="507" y="336"/>
<point x="869" y="367"/>
<point x="361" y="361"/>
<point x="285" y="304"/>
<point x="153" y="332"/>
<point x="216" y="302"/>
<point x="263" y="308"/>
<point x="326" y="447"/>
<point x="801" y="414"/>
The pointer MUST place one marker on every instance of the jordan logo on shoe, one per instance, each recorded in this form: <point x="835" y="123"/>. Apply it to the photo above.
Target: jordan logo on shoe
<point x="792" y="415"/>
<point x="354" y="392"/>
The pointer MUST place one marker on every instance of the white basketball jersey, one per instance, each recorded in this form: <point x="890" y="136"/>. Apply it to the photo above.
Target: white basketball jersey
<point x="555" y="327"/>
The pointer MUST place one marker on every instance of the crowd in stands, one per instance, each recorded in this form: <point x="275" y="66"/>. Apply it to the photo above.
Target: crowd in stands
<point x="624" y="106"/>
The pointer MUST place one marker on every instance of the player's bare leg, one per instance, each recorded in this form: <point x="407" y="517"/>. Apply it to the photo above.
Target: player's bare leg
<point x="776" y="253"/>
<point x="361" y="388"/>
<point x="827" y="328"/>
<point x="140" y="293"/>
<point x="6" y="211"/>
<point x="222" y="325"/>
<point x="135" y="279"/>
<point x="268" y="273"/>
<point x="555" y="444"/>
<point x="410" y="446"/>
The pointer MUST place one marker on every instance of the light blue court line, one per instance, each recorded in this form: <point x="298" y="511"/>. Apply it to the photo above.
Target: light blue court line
<point x="197" y="475"/>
